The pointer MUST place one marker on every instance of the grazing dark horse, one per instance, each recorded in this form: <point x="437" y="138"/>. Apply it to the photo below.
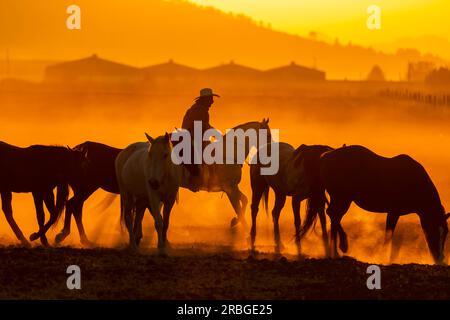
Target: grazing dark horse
<point x="290" y="180"/>
<point x="397" y="186"/>
<point x="99" y="173"/>
<point x="38" y="169"/>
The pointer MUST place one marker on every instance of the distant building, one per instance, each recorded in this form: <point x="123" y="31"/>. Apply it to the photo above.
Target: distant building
<point x="169" y="72"/>
<point x="376" y="74"/>
<point x="98" y="71"/>
<point x="439" y="76"/>
<point x="418" y="71"/>
<point x="92" y="70"/>
<point x="294" y="73"/>
<point x="231" y="72"/>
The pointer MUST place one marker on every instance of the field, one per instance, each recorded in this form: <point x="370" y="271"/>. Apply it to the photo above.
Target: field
<point x="202" y="272"/>
<point x="209" y="261"/>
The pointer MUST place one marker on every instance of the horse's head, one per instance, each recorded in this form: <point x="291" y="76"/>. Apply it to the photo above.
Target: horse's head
<point x="159" y="160"/>
<point x="264" y="124"/>
<point x="436" y="230"/>
<point x="78" y="160"/>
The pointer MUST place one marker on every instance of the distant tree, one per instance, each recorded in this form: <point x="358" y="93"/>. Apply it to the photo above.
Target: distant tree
<point x="313" y="35"/>
<point x="376" y="74"/>
<point x="418" y="71"/>
<point x="439" y="76"/>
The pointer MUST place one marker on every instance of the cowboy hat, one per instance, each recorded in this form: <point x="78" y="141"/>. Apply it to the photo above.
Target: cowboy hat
<point x="207" y="92"/>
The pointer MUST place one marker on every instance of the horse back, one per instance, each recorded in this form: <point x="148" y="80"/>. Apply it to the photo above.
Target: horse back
<point x="129" y="168"/>
<point x="27" y="169"/>
<point x="378" y="183"/>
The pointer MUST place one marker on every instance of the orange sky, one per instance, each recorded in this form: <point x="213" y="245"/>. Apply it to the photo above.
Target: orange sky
<point x="346" y="19"/>
<point x="146" y="32"/>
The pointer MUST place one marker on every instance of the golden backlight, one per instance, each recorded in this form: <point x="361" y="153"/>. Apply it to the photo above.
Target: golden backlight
<point x="144" y="32"/>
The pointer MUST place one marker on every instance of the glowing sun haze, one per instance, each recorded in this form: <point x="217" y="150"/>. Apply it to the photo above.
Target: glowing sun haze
<point x="345" y="19"/>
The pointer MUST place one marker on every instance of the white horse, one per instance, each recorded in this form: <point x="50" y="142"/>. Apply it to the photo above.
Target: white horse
<point x="147" y="178"/>
<point x="226" y="177"/>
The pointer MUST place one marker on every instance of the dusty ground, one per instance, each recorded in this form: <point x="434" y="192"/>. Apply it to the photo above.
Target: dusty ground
<point x="198" y="273"/>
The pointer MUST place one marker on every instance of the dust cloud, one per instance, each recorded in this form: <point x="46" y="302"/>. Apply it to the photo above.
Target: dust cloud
<point x="329" y="113"/>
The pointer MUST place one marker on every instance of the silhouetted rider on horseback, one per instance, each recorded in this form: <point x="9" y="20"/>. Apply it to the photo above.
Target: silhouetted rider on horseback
<point x="198" y="112"/>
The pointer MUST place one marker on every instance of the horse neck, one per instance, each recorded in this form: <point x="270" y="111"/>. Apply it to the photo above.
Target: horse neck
<point x="254" y="125"/>
<point x="174" y="171"/>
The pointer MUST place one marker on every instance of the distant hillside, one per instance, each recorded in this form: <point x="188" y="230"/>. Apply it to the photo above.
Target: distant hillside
<point x="430" y="44"/>
<point x="144" y="32"/>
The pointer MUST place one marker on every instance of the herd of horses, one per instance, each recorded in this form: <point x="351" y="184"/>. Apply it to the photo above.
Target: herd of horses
<point x="146" y="178"/>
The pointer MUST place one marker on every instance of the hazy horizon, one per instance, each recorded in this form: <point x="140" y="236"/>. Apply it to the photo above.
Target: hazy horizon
<point x="146" y="33"/>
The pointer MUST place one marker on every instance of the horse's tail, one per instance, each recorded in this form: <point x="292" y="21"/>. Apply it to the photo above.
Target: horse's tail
<point x="314" y="205"/>
<point x="62" y="194"/>
<point x="106" y="202"/>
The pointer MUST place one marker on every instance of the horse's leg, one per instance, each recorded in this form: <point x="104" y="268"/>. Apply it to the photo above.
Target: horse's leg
<point x="140" y="210"/>
<point x="74" y="206"/>
<point x="323" y="223"/>
<point x="79" y="199"/>
<point x="166" y="216"/>
<point x="391" y="223"/>
<point x="127" y="212"/>
<point x="336" y="210"/>
<point x="343" y="242"/>
<point x="67" y="221"/>
<point x="40" y="215"/>
<point x="49" y="199"/>
<point x="155" y="210"/>
<point x="235" y="197"/>
<point x="297" y="221"/>
<point x="244" y="202"/>
<point x="257" y="192"/>
<point x="7" y="210"/>
<point x="280" y="200"/>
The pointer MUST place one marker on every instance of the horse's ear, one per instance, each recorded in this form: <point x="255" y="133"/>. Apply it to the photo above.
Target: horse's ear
<point x="167" y="137"/>
<point x="447" y="216"/>
<point x="68" y="147"/>
<point x="149" y="138"/>
<point x="267" y="121"/>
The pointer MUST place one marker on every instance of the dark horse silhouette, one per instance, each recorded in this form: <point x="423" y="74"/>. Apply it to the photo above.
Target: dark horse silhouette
<point x="99" y="173"/>
<point x="38" y="169"/>
<point x="290" y="180"/>
<point x="397" y="186"/>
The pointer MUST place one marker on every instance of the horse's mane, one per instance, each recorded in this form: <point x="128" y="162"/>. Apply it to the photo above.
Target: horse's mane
<point x="316" y="147"/>
<point x="245" y="124"/>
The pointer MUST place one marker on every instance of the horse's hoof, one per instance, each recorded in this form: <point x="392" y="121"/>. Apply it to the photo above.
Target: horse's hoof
<point x="133" y="249"/>
<point x="86" y="243"/>
<point x="162" y="253"/>
<point x="279" y="248"/>
<point x="26" y="244"/>
<point x="44" y="241"/>
<point x="234" y="222"/>
<point x="60" y="237"/>
<point x="34" y="236"/>
<point x="301" y="257"/>
<point x="343" y="246"/>
<point x="335" y="255"/>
